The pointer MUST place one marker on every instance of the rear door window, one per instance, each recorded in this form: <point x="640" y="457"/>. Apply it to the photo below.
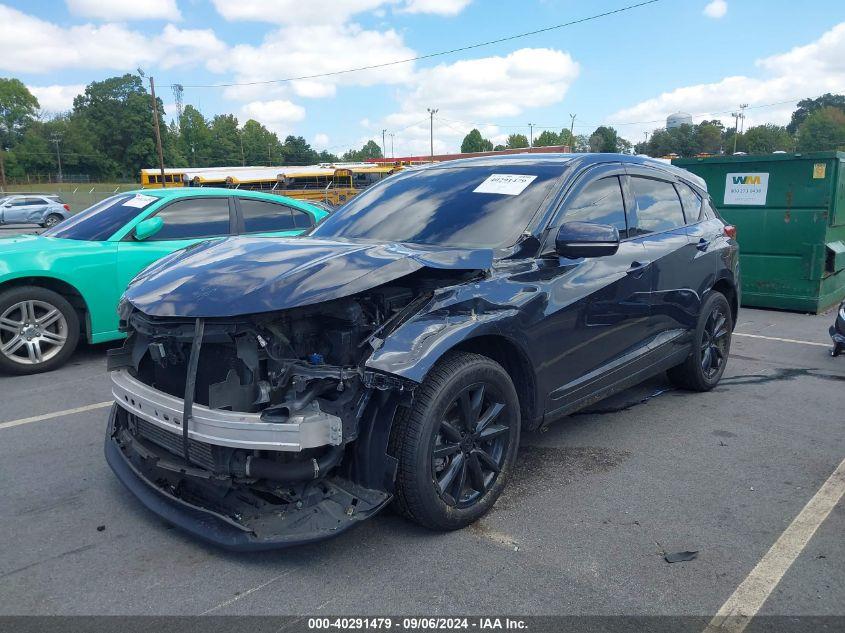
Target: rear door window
<point x="600" y="202"/>
<point x="261" y="216"/>
<point x="194" y="218"/>
<point x="658" y="205"/>
<point x="691" y="202"/>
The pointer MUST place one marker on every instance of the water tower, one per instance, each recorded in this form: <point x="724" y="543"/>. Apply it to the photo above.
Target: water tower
<point x="678" y="119"/>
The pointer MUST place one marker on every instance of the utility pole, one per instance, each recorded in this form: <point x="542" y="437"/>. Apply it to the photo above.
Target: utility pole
<point x="241" y="139"/>
<point x="572" y="133"/>
<point x="3" y="167"/>
<point x="432" y="112"/>
<point x="56" y="138"/>
<point x="269" y="155"/>
<point x="737" y="116"/>
<point x="530" y="135"/>
<point x="156" y="126"/>
<point x="383" y="146"/>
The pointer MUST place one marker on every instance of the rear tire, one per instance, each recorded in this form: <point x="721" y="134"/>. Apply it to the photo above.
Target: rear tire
<point x="39" y="330"/>
<point x="703" y="368"/>
<point x="457" y="443"/>
<point x="52" y="220"/>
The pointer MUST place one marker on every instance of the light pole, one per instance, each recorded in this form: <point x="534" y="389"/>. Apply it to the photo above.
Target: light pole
<point x="530" y="135"/>
<point x="57" y="138"/>
<point x="383" y="146"/>
<point x="392" y="153"/>
<point x="431" y="112"/>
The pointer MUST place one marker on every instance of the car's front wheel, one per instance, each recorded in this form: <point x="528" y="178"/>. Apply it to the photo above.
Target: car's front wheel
<point x="39" y="330"/>
<point x="457" y="444"/>
<point x="703" y="368"/>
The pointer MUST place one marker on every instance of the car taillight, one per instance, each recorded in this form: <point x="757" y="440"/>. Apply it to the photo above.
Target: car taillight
<point x="66" y="206"/>
<point x="730" y="231"/>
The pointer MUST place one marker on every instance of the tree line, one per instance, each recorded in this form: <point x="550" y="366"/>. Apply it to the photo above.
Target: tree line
<point x="816" y="125"/>
<point x="108" y="134"/>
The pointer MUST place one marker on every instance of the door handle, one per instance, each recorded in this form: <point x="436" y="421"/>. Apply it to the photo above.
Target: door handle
<point x="703" y="245"/>
<point x="637" y="268"/>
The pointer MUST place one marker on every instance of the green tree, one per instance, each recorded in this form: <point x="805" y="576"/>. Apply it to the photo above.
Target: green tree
<point x="370" y="150"/>
<point x="195" y="139"/>
<point x="117" y="112"/>
<point x="822" y="130"/>
<point x="225" y="141"/>
<point x="806" y="107"/>
<point x="18" y="108"/>
<point x="516" y="141"/>
<point x="604" y="139"/>
<point x="261" y="146"/>
<point x="327" y="157"/>
<point x="767" y="138"/>
<point x="708" y="137"/>
<point x="297" y="151"/>
<point x="474" y="142"/>
<point x="547" y="138"/>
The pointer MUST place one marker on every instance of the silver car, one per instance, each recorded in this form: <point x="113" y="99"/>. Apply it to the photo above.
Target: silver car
<point x="30" y="208"/>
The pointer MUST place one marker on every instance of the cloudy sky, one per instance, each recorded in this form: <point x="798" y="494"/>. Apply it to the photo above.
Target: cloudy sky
<point x="629" y="70"/>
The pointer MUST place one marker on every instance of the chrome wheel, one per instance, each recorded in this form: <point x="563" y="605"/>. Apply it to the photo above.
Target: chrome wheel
<point x="32" y="332"/>
<point x="51" y="221"/>
<point x="470" y="446"/>
<point x="714" y="343"/>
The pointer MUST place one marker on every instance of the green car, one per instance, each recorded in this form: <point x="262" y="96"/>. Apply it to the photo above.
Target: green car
<point x="67" y="282"/>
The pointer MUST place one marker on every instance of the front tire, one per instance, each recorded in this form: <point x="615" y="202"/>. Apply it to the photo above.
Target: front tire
<point x="39" y="330"/>
<point x="703" y="368"/>
<point x="457" y="444"/>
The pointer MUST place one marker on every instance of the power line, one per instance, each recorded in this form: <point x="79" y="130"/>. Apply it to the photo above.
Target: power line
<point x="407" y="60"/>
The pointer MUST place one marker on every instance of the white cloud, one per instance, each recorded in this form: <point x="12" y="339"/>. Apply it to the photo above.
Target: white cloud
<point x="438" y="7"/>
<point x="477" y="90"/>
<point x="804" y="71"/>
<point x="294" y="11"/>
<point x="30" y="44"/>
<point x="716" y="9"/>
<point x="115" y="10"/>
<point x="315" y="49"/>
<point x="56" y="98"/>
<point x="277" y="115"/>
<point x="321" y="141"/>
<point x="327" y="11"/>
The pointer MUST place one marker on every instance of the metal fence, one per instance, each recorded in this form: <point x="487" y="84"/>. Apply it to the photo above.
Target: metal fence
<point x="78" y="196"/>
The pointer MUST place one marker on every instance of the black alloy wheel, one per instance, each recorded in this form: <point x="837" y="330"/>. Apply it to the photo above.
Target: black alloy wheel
<point x="470" y="446"/>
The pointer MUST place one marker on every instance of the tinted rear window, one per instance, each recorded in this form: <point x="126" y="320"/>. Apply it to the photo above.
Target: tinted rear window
<point x="441" y="206"/>
<point x="101" y="221"/>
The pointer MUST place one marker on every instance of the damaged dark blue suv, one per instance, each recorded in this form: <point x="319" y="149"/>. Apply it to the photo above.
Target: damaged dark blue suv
<point x="278" y="391"/>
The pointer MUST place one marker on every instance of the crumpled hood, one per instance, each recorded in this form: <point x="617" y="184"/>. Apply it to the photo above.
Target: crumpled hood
<point x="247" y="275"/>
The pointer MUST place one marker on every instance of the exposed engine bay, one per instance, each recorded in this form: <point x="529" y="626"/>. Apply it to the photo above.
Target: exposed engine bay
<point x="296" y="379"/>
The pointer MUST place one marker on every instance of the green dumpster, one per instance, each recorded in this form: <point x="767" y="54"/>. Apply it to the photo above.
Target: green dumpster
<point x="789" y="211"/>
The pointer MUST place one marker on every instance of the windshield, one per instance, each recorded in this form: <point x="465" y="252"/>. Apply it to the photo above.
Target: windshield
<point x="99" y="222"/>
<point x="467" y="207"/>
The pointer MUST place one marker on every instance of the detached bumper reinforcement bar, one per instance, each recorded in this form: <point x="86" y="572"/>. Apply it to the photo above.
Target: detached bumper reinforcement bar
<point x="308" y="428"/>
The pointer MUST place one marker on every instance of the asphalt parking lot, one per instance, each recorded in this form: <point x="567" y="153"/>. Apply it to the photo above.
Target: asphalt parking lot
<point x="598" y="499"/>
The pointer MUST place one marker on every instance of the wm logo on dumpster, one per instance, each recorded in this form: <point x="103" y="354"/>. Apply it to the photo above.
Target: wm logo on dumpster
<point x="746" y="180"/>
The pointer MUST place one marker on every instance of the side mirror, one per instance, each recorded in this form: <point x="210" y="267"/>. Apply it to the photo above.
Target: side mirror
<point x="147" y="228"/>
<point x="585" y="239"/>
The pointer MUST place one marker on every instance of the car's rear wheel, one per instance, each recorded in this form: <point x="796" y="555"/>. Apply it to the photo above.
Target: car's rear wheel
<point x="52" y="220"/>
<point x="457" y="444"/>
<point x="703" y="368"/>
<point x="39" y="330"/>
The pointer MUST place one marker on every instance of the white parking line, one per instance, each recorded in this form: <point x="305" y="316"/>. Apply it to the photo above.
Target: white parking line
<point x="746" y="601"/>
<point x="57" y="414"/>
<point x="782" y="340"/>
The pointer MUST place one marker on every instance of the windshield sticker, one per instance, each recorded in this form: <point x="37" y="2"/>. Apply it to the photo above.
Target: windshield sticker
<point x="506" y="184"/>
<point x="139" y="201"/>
